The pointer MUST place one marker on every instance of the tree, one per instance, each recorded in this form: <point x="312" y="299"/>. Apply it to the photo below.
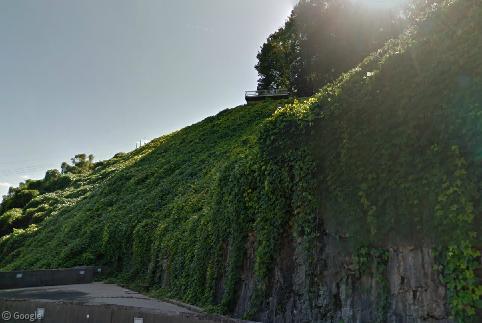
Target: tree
<point x="81" y="163"/>
<point x="276" y="58"/>
<point x="52" y="175"/>
<point x="321" y="40"/>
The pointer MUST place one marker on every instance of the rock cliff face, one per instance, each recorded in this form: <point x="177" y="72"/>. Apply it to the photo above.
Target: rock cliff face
<point x="416" y="293"/>
<point x="404" y="287"/>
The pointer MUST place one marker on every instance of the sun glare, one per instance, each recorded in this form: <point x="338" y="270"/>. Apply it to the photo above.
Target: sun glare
<point x="382" y="4"/>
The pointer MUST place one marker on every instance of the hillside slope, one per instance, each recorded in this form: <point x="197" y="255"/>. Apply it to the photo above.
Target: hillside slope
<point x="283" y="214"/>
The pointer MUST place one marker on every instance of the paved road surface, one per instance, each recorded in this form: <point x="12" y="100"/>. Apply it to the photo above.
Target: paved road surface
<point x="93" y="294"/>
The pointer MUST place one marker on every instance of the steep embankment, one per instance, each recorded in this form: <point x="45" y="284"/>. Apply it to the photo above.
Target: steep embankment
<point x="324" y="210"/>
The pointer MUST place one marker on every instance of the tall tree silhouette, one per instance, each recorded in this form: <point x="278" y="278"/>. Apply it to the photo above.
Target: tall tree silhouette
<point x="322" y="39"/>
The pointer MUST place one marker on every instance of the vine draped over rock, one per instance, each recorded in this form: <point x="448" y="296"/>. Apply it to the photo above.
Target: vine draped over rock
<point x="388" y="154"/>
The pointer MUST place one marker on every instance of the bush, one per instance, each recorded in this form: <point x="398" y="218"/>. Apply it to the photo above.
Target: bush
<point x="9" y="220"/>
<point x="18" y="199"/>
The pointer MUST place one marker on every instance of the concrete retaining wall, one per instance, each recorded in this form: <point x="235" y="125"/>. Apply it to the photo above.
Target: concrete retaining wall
<point x="23" y="279"/>
<point x="63" y="312"/>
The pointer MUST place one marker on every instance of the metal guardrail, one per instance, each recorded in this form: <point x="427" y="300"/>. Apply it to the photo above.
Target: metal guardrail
<point x="258" y="93"/>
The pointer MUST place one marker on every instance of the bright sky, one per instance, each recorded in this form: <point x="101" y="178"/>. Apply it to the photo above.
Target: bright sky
<point x="96" y="76"/>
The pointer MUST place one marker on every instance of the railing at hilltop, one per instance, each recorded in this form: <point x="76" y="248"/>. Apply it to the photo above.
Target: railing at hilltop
<point x="266" y="94"/>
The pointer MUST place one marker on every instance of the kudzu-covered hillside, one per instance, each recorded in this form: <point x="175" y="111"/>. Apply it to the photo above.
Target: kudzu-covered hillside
<point x="243" y="213"/>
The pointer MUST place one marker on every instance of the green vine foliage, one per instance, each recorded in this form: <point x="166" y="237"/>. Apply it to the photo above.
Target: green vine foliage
<point x="460" y="262"/>
<point x="388" y="154"/>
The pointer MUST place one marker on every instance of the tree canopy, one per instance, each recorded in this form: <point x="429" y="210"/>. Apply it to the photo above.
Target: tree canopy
<point x="325" y="38"/>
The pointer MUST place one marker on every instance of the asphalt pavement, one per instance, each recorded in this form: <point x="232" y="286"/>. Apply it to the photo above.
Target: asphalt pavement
<point x="94" y="294"/>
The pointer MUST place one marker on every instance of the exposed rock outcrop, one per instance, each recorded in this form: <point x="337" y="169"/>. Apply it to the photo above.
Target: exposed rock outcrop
<point x="406" y="288"/>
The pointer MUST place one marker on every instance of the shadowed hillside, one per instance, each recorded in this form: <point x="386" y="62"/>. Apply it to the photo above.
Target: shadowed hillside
<point x="358" y="204"/>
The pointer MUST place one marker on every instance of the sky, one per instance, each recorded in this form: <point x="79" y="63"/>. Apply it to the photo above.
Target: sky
<point x="97" y="76"/>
